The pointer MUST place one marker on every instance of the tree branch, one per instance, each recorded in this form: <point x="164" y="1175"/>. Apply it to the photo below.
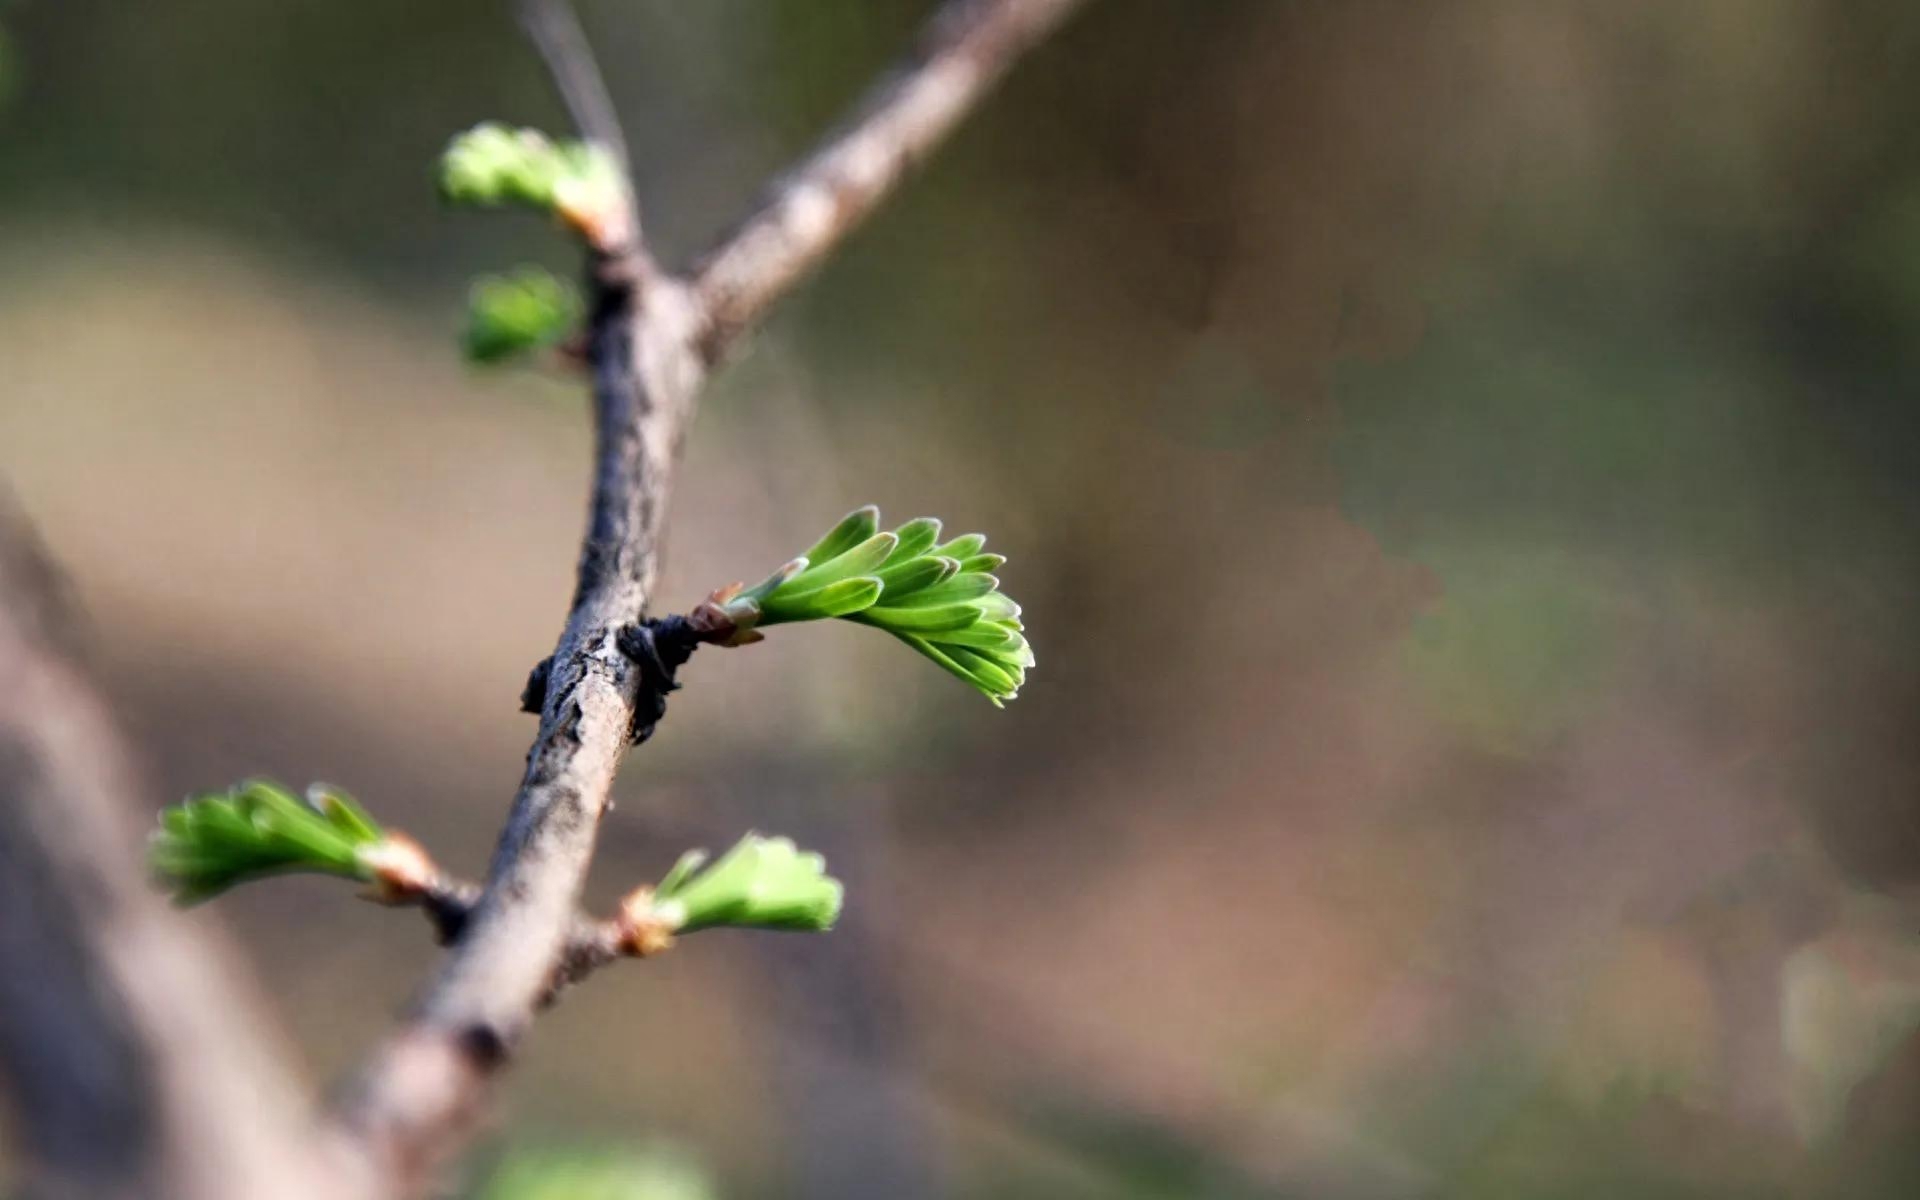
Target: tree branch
<point x="963" y="52"/>
<point x="555" y="32"/>
<point x="420" y="1093"/>
<point x="591" y="943"/>
<point x="650" y="340"/>
<point x="136" y="1066"/>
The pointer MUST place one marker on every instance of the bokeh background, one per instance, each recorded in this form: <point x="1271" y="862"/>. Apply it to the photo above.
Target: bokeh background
<point x="1457" y="460"/>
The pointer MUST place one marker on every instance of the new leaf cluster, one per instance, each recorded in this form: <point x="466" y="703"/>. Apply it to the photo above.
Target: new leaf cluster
<point x="213" y="841"/>
<point x="940" y="598"/>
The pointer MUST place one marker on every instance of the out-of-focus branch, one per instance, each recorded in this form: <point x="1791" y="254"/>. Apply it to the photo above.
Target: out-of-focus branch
<point x="554" y="30"/>
<point x="964" y="51"/>
<point x="134" y="1063"/>
<point x="650" y="341"/>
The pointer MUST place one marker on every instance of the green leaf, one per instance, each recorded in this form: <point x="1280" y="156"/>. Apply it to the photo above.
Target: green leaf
<point x="948" y="656"/>
<point x="953" y="591"/>
<point x="854" y="528"/>
<point x="963" y="547"/>
<point x="986" y="635"/>
<point x="834" y="600"/>
<point x="997" y="607"/>
<point x="992" y="677"/>
<point x="343" y="813"/>
<point x="941" y="619"/>
<point x="940" y="656"/>
<point x="863" y="559"/>
<point x="916" y="538"/>
<point x="907" y="578"/>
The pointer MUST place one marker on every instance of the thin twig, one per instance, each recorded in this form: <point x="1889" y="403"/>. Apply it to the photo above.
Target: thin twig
<point x="554" y="29"/>
<point x="649" y="343"/>
<point x="555" y="32"/>
<point x="591" y="942"/>
<point x="966" y="48"/>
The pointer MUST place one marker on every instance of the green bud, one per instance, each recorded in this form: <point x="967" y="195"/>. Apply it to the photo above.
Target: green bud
<point x="508" y="315"/>
<point x="492" y="165"/>
<point x="762" y="883"/>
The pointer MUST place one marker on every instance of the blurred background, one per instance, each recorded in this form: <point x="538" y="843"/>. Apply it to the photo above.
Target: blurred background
<point x="1456" y="459"/>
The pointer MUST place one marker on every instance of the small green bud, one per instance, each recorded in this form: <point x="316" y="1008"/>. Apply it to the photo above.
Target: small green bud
<point x="762" y="883"/>
<point x="942" y="600"/>
<point x="579" y="182"/>
<point x="508" y="315"/>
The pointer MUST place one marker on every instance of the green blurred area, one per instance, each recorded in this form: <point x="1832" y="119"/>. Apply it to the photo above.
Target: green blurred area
<point x="1457" y="461"/>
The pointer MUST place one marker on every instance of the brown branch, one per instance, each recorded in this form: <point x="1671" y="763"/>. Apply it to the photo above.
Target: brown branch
<point x="650" y="339"/>
<point x="964" y="51"/>
<point x="419" y="1094"/>
<point x="136" y="1065"/>
<point x="591" y="942"/>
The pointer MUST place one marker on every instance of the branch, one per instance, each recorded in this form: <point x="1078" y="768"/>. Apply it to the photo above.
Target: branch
<point x="420" y="1093"/>
<point x="650" y="340"/>
<point x="591" y="942"/>
<point x="555" y="33"/>
<point x="963" y="52"/>
<point x="136" y="1066"/>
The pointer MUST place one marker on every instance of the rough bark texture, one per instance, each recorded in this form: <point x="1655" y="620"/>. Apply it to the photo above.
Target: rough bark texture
<point x="425" y="1087"/>
<point x="136" y="1065"/>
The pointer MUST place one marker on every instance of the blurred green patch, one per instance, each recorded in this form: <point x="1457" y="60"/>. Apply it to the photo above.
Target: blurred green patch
<point x="8" y="71"/>
<point x="652" y="1173"/>
<point x="1634" y="1142"/>
<point x="1560" y="457"/>
<point x="1521" y="643"/>
<point x="1884" y="256"/>
<point x="1574" y="420"/>
<point x="1214" y="398"/>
